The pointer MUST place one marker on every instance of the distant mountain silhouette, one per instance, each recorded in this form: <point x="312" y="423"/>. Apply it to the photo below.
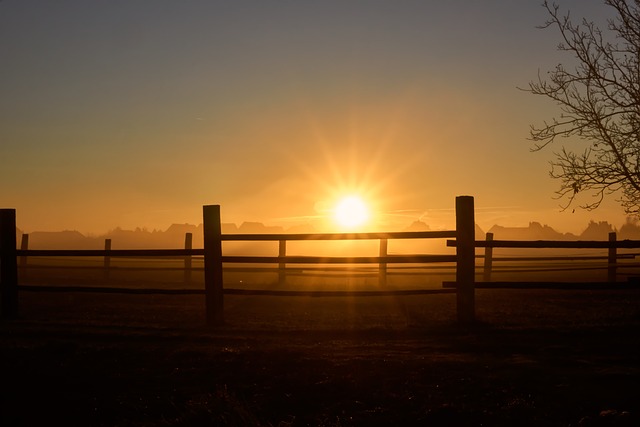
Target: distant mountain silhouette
<point x="630" y="230"/>
<point x="227" y="228"/>
<point x="597" y="231"/>
<point x="418" y="226"/>
<point x="181" y="229"/>
<point x="302" y="229"/>
<point x="258" y="228"/>
<point x="62" y="240"/>
<point x="535" y="231"/>
<point x="423" y="226"/>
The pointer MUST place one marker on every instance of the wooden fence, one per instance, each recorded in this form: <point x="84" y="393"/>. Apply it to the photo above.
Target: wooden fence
<point x="464" y="259"/>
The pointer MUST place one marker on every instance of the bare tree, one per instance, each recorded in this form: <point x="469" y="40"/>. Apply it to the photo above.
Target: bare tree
<point x="599" y="99"/>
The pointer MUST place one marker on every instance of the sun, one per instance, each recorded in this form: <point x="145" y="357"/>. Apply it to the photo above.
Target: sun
<point x="351" y="212"/>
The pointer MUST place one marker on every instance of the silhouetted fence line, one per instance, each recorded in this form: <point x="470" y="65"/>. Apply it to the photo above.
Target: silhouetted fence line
<point x="286" y="271"/>
<point x="13" y="260"/>
<point x="214" y="290"/>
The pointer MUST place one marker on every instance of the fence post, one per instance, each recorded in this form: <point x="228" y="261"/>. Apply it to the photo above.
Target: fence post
<point x="282" y="252"/>
<point x="465" y="265"/>
<point x="488" y="258"/>
<point x="611" y="271"/>
<point x="24" y="245"/>
<point x="382" y="267"/>
<point x="107" y="259"/>
<point x="213" y="286"/>
<point x="188" y="245"/>
<point x="8" y="264"/>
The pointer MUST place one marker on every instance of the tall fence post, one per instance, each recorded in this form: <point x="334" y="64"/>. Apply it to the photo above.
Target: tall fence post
<point x="382" y="267"/>
<point x="8" y="264"/>
<point x="24" y="245"/>
<point x="488" y="258"/>
<point x="188" y="245"/>
<point x="465" y="265"/>
<point x="107" y="259"/>
<point x="213" y="286"/>
<point x="613" y="258"/>
<point x="282" y="252"/>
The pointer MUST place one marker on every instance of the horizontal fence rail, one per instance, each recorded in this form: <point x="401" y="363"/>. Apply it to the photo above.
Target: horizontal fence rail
<point x="110" y="252"/>
<point x="554" y="244"/>
<point x="340" y="236"/>
<point x="300" y="259"/>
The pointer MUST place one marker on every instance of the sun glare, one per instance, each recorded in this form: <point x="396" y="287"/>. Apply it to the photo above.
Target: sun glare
<point x="351" y="212"/>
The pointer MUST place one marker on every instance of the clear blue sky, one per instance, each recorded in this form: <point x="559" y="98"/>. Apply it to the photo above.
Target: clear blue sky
<point x="136" y="113"/>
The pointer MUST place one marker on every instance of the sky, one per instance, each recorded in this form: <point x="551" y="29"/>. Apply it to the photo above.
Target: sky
<point x="136" y="113"/>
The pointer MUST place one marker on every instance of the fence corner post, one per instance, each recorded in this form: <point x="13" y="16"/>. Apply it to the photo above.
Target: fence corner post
<point x="188" y="245"/>
<point x="107" y="259"/>
<point x="8" y="264"/>
<point x="213" y="286"/>
<point x="24" y="246"/>
<point x="488" y="258"/>
<point x="465" y="265"/>
<point x="613" y="258"/>
<point x="382" y="266"/>
<point x="282" y="266"/>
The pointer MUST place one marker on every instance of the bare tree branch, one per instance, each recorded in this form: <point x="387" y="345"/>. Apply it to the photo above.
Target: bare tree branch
<point x="599" y="102"/>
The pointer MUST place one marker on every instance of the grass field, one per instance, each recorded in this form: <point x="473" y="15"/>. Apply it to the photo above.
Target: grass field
<point x="535" y="358"/>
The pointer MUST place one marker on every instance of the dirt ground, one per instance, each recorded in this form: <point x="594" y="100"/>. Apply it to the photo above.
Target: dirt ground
<point x="534" y="358"/>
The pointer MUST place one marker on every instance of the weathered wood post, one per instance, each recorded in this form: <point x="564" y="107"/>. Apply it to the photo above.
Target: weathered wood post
<point x="8" y="264"/>
<point x="107" y="259"/>
<point x="465" y="266"/>
<point x="282" y="252"/>
<point x="213" y="286"/>
<point x="188" y="245"/>
<point x="382" y="267"/>
<point x="24" y="246"/>
<point x="613" y="255"/>
<point x="488" y="258"/>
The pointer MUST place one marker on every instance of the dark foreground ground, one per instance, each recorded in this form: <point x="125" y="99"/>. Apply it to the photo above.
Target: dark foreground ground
<point x="536" y="358"/>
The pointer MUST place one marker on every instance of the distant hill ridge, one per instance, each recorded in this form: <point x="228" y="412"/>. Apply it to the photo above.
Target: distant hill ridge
<point x="174" y="236"/>
<point x="536" y="231"/>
